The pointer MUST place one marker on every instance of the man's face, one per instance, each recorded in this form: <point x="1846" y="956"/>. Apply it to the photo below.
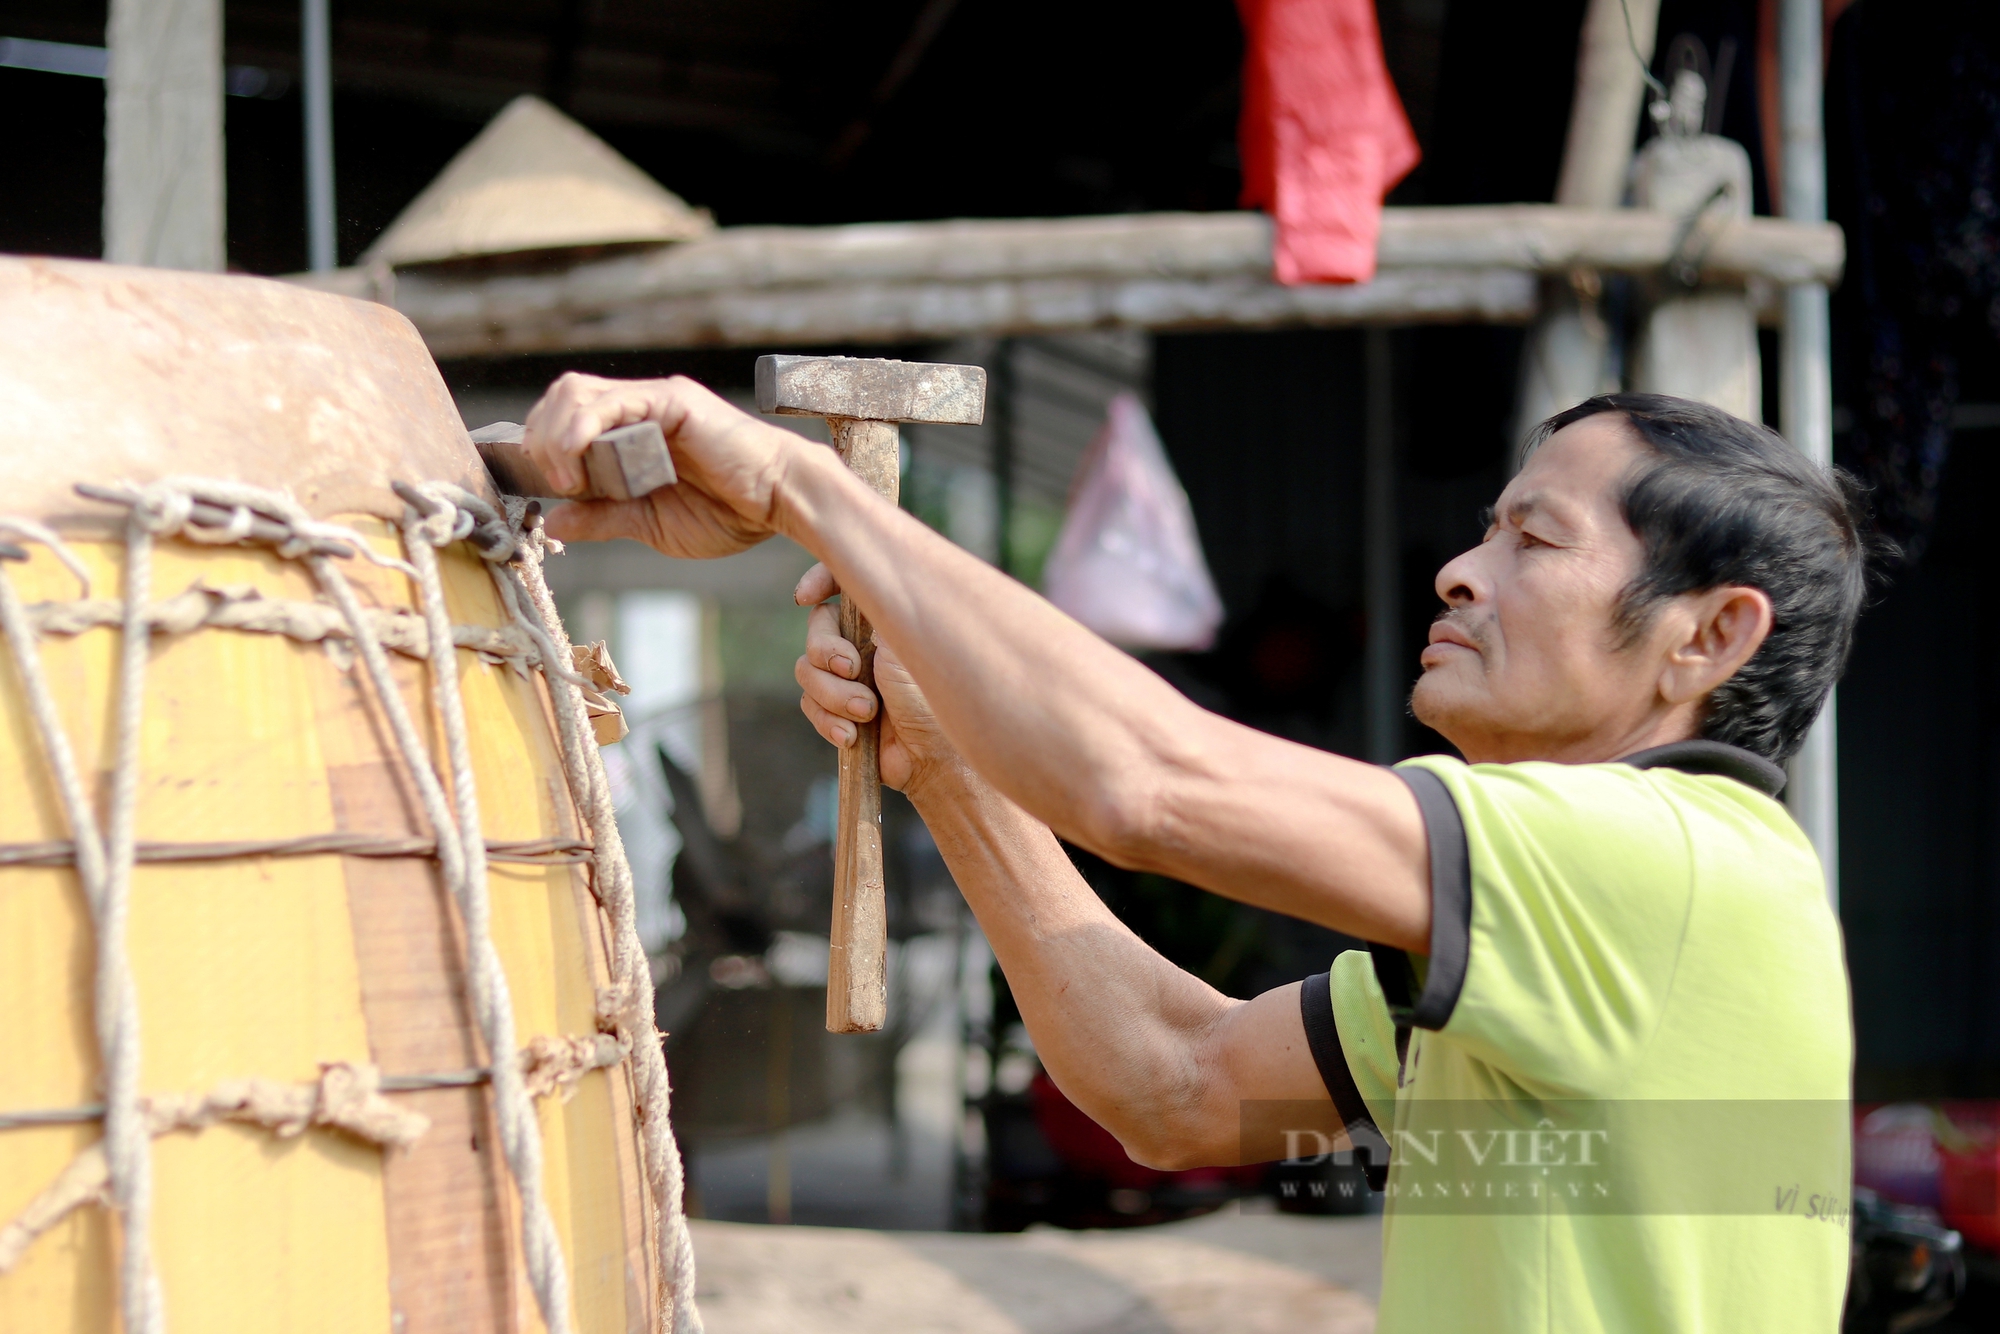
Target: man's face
<point x="1524" y="663"/>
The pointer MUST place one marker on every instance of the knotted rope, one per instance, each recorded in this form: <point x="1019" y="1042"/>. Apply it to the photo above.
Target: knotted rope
<point x="244" y="607"/>
<point x="514" y="547"/>
<point x="106" y="888"/>
<point x="463" y="849"/>
<point x="214" y="512"/>
<point x="346" y="1096"/>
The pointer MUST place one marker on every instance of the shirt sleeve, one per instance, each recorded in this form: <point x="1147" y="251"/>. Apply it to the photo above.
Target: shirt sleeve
<point x="1367" y="1036"/>
<point x="1353" y="1042"/>
<point x="1577" y="882"/>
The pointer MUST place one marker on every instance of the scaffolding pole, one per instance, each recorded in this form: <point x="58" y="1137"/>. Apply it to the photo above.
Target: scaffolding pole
<point x="316" y="61"/>
<point x="1806" y="387"/>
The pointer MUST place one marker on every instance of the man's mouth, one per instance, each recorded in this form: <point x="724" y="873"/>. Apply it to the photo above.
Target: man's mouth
<point x="1445" y="638"/>
<point x="1443" y="631"/>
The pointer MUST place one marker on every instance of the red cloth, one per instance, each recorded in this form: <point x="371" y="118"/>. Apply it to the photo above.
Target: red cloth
<point x="1323" y="135"/>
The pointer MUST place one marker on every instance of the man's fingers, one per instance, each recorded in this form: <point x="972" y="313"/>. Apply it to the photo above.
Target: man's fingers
<point x="815" y="586"/>
<point x="574" y="411"/>
<point x="830" y="698"/>
<point x="826" y="649"/>
<point x="840" y="732"/>
<point x="838" y="697"/>
<point x="552" y="420"/>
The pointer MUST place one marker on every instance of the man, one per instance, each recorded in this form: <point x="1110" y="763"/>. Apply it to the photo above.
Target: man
<point x="1603" y="907"/>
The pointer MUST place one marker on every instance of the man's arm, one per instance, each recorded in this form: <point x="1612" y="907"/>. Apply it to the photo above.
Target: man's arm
<point x="1076" y="732"/>
<point x="1153" y="1054"/>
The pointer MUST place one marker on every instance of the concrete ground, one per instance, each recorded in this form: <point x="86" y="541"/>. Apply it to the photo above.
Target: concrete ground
<point x="1246" y="1269"/>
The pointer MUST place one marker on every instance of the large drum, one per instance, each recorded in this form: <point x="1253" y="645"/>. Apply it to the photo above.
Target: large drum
<point x="324" y="1009"/>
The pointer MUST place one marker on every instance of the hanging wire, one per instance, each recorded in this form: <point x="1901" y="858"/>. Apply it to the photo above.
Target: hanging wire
<point x="1660" y="107"/>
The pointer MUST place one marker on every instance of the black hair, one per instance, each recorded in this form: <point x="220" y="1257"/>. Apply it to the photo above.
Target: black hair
<point x="1722" y="501"/>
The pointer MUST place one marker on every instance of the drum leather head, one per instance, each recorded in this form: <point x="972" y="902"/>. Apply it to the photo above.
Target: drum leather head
<point x="116" y="374"/>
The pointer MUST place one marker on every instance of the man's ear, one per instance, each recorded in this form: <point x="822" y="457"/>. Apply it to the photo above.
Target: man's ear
<point x="1724" y="628"/>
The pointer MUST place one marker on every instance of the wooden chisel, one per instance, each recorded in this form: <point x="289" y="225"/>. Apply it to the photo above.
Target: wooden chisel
<point x="622" y="464"/>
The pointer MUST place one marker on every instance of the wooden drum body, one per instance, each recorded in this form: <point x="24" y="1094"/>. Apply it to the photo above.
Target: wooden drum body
<point x="275" y="966"/>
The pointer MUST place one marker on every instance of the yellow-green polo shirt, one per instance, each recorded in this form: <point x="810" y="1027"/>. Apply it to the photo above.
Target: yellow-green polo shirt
<point x="1636" y="959"/>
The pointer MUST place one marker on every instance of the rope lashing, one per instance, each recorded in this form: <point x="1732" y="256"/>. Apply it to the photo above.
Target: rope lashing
<point x="127" y="1149"/>
<point x="107" y="886"/>
<point x="524" y="852"/>
<point x="244" y="607"/>
<point x="463" y="850"/>
<point x="630" y="1002"/>
<point x="513" y="546"/>
<point x="347" y="1096"/>
<point x="550" y="1065"/>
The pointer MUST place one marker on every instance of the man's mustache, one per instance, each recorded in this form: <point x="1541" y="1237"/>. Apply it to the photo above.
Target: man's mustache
<point x="1473" y="628"/>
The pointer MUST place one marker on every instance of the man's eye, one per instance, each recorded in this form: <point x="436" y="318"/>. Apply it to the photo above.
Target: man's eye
<point x="1530" y="540"/>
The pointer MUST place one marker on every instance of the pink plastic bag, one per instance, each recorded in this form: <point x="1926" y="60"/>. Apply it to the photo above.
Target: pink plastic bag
<point x="1128" y="562"/>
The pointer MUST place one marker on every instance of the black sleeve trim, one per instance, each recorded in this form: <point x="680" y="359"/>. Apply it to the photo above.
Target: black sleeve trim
<point x="1323" y="1037"/>
<point x="1451" y="913"/>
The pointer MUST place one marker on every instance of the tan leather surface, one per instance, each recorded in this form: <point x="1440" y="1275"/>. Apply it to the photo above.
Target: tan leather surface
<point x="110" y="373"/>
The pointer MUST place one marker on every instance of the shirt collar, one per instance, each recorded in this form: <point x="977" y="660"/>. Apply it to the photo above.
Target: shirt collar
<point x="1713" y="757"/>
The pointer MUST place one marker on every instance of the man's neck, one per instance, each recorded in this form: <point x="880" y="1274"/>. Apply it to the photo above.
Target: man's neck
<point x="1598" y="746"/>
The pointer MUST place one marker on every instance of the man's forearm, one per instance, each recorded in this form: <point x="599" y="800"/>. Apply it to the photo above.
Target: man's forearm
<point x="980" y="646"/>
<point x="1097" y="746"/>
<point x="1130" y="1038"/>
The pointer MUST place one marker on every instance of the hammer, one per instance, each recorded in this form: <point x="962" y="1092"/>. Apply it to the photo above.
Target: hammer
<point x="862" y="399"/>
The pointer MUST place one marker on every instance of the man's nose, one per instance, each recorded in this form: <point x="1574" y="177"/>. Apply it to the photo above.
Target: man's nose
<point x="1459" y="583"/>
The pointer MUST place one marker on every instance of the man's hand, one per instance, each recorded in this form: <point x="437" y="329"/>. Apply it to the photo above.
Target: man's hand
<point x="728" y="464"/>
<point x="914" y="748"/>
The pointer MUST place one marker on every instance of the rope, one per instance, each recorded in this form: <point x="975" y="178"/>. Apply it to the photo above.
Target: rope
<point x="126" y="1144"/>
<point x="244" y="607"/>
<point x="550" y="1065"/>
<point x="520" y="1133"/>
<point x="630" y="1002"/>
<point x="1692" y="241"/>
<point x="1657" y="109"/>
<point x="525" y="852"/>
<point x="513" y="546"/>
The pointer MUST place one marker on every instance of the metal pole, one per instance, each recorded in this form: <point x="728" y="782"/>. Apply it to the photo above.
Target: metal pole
<point x="1381" y="561"/>
<point x="1806" y="389"/>
<point x="316" y="60"/>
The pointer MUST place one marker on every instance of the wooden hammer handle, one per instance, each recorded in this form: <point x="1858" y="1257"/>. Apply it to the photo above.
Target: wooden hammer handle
<point x="857" y="992"/>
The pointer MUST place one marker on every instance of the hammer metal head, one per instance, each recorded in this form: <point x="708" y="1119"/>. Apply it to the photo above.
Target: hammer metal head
<point x="871" y="389"/>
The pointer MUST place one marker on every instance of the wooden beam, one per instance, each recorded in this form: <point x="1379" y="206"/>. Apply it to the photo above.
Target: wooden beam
<point x="492" y="321"/>
<point x="890" y="282"/>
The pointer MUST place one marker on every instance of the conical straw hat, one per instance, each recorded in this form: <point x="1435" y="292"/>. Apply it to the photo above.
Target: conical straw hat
<point x="534" y="180"/>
